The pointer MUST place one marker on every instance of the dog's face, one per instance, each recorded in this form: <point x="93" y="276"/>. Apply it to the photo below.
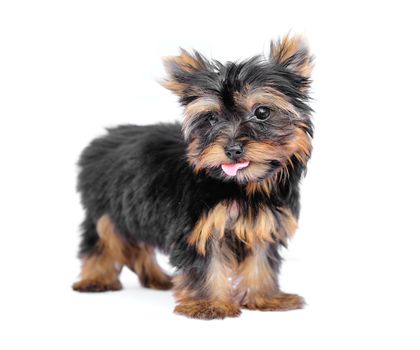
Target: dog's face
<point x="246" y="121"/>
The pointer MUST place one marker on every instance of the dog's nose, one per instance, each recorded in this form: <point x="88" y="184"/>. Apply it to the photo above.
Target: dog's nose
<point x="235" y="151"/>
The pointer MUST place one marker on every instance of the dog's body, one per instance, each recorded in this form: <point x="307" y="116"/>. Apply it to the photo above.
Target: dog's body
<point x="219" y="193"/>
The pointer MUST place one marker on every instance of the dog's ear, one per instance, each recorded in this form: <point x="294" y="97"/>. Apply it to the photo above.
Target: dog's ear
<point x="181" y="68"/>
<point x="293" y="54"/>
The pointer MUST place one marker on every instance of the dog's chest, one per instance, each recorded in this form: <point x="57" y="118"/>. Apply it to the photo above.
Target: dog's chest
<point x="251" y="226"/>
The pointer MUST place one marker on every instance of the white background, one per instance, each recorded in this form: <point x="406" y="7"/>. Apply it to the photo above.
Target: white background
<point x="70" y="68"/>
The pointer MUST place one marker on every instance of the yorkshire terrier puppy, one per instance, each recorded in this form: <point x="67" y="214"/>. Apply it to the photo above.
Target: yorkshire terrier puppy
<point x="219" y="193"/>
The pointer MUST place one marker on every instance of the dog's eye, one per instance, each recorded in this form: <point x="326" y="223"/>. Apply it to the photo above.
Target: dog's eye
<point x="262" y="113"/>
<point x="212" y="119"/>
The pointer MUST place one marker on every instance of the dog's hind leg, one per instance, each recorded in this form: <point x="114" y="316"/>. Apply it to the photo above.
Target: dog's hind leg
<point x="142" y="261"/>
<point x="102" y="262"/>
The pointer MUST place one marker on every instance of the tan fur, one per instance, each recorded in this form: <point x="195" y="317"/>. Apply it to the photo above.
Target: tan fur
<point x="263" y="151"/>
<point x="261" y="228"/>
<point x="213" y="299"/>
<point x="142" y="261"/>
<point x="283" y="50"/>
<point x="195" y="110"/>
<point x="181" y="291"/>
<point x="288" y="222"/>
<point x="207" y="310"/>
<point x="174" y="86"/>
<point x="202" y="105"/>
<point x="256" y="276"/>
<point x="278" y="302"/>
<point x="259" y="153"/>
<point x="249" y="228"/>
<point x="188" y="62"/>
<point x="213" y="223"/>
<point x="300" y="146"/>
<point x="222" y="264"/>
<point x="227" y="287"/>
<point x="216" y="285"/>
<point x="193" y="152"/>
<point x="100" y="270"/>
<point x="250" y="98"/>
<point x="265" y="186"/>
<point x="258" y="289"/>
<point x="254" y="171"/>
<point x="213" y="155"/>
<point x="185" y="61"/>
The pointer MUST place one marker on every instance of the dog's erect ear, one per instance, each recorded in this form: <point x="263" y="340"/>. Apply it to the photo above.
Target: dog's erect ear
<point x="293" y="54"/>
<point x="181" y="68"/>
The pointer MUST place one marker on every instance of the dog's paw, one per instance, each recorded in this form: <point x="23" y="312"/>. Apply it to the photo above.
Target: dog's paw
<point x="207" y="310"/>
<point x="96" y="286"/>
<point x="160" y="281"/>
<point x="161" y="284"/>
<point x="280" y="302"/>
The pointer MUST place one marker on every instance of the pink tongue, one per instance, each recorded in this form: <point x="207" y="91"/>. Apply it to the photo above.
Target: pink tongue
<point x="232" y="168"/>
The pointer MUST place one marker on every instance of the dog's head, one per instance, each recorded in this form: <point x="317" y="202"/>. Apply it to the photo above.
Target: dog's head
<point x="249" y="120"/>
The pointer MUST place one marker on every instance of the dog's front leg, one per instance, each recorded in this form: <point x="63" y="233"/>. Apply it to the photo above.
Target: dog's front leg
<point x="204" y="289"/>
<point x="258" y="285"/>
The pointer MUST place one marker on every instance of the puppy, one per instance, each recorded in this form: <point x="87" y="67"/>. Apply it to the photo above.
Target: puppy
<point x="219" y="193"/>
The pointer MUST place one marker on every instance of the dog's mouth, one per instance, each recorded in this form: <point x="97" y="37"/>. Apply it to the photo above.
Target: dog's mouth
<point x="231" y="169"/>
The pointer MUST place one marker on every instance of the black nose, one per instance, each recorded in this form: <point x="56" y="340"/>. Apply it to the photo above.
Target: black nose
<point x="234" y="152"/>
